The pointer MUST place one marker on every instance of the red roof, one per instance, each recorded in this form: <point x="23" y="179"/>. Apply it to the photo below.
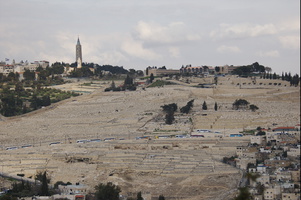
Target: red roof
<point x="289" y="127"/>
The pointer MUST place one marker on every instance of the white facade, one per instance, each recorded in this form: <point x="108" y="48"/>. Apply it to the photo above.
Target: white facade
<point x="264" y="179"/>
<point x="271" y="193"/>
<point x="257" y="139"/>
<point x="290" y="196"/>
<point x="294" y="152"/>
<point x="73" y="189"/>
<point x="22" y="66"/>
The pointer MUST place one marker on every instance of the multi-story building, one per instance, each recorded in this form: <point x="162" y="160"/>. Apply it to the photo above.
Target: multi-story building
<point x="72" y="192"/>
<point x="6" y="69"/>
<point x="290" y="196"/>
<point x="191" y="70"/>
<point x="272" y="193"/>
<point x="258" y="139"/>
<point x="20" y="68"/>
<point x="160" y="71"/>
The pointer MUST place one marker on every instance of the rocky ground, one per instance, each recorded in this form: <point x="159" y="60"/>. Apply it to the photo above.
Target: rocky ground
<point x="176" y="168"/>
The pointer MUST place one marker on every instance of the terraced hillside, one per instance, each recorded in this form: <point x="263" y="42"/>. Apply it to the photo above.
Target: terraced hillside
<point x="183" y="168"/>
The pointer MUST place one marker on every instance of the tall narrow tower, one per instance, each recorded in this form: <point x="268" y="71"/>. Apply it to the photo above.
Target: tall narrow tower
<point x="78" y="56"/>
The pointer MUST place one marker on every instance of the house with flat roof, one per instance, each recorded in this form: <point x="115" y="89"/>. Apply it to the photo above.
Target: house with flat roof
<point x="282" y="129"/>
<point x="72" y="192"/>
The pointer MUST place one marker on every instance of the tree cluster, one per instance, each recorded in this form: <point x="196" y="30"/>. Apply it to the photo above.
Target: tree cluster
<point x="240" y="104"/>
<point x="249" y="69"/>
<point x="295" y="80"/>
<point x="243" y="104"/>
<point x="169" y="110"/>
<point x="110" y="68"/>
<point x="128" y="84"/>
<point x="270" y="76"/>
<point x="20" y="101"/>
<point x="229" y="160"/>
<point x="186" y="109"/>
<point x="84" y="71"/>
<point x="27" y="189"/>
<point x="107" y="191"/>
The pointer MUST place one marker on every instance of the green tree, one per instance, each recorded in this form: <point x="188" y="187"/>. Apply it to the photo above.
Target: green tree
<point x="57" y="68"/>
<point x="169" y="117"/>
<point x="24" y="109"/>
<point x="128" y="81"/>
<point x="8" y="197"/>
<point x="204" y="106"/>
<point x="19" y="87"/>
<point x="240" y="104"/>
<point x="44" y="186"/>
<point x="34" y="102"/>
<point x="113" y="86"/>
<point x="10" y="104"/>
<point x="43" y="75"/>
<point x="244" y="194"/>
<point x="139" y="196"/>
<point x="253" y="107"/>
<point x="161" y="197"/>
<point x="295" y="80"/>
<point x="260" y="133"/>
<point x="215" y="106"/>
<point x="28" y="75"/>
<point x="170" y="107"/>
<point x="186" y="109"/>
<point x="151" y="78"/>
<point x="56" y="185"/>
<point x="45" y="100"/>
<point x="11" y="76"/>
<point x="107" y="191"/>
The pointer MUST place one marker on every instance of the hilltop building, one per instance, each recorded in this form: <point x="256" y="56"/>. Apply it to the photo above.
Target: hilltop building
<point x="78" y="55"/>
<point x="160" y="71"/>
<point x="21" y="67"/>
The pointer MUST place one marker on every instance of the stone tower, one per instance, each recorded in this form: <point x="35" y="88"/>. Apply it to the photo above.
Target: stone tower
<point x="78" y="58"/>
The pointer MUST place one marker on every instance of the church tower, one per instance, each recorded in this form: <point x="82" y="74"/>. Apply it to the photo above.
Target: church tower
<point x="78" y="56"/>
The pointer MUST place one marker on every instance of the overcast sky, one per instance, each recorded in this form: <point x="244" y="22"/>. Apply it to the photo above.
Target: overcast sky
<point x="140" y="33"/>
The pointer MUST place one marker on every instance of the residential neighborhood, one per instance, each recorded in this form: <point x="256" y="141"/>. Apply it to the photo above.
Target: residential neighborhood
<point x="271" y="164"/>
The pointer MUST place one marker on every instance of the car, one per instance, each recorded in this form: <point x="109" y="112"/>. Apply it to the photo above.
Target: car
<point x="11" y="148"/>
<point x="54" y="143"/>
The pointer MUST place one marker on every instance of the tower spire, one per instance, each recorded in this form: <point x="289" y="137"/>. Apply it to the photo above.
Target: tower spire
<point x="78" y="55"/>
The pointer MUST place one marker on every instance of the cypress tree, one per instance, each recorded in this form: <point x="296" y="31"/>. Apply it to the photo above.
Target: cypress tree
<point x="139" y="196"/>
<point x="161" y="197"/>
<point x="44" y="187"/>
<point x="204" y="107"/>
